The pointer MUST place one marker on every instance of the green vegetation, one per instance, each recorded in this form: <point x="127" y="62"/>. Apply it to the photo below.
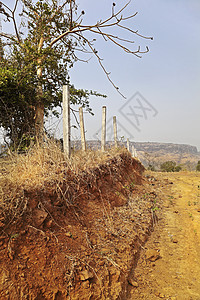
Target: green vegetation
<point x="32" y="72"/>
<point x="151" y="168"/>
<point x="170" y="166"/>
<point x="198" y="166"/>
<point x="18" y="97"/>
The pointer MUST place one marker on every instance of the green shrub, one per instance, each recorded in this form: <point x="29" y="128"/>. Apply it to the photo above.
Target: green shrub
<point x="177" y="168"/>
<point x="151" y="168"/>
<point x="170" y="166"/>
<point x="198" y="166"/>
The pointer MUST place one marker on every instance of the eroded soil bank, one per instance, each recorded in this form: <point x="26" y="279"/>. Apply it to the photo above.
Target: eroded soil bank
<point x="82" y="241"/>
<point x="169" y="266"/>
<point x="114" y="232"/>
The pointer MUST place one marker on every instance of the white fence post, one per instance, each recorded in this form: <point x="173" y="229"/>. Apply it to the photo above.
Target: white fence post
<point x="128" y="145"/>
<point x="115" y="130"/>
<point x="103" y="130"/>
<point x="66" y="121"/>
<point x="83" y="143"/>
<point x="133" y="151"/>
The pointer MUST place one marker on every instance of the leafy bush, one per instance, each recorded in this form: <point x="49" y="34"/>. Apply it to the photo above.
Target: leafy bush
<point x="177" y="168"/>
<point x="170" y="166"/>
<point x="151" y="168"/>
<point x="198" y="166"/>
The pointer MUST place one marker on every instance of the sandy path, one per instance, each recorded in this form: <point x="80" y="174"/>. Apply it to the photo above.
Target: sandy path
<point x="176" y="274"/>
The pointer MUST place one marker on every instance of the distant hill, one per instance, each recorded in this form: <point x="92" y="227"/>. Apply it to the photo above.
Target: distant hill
<point x="157" y="153"/>
<point x="165" y="147"/>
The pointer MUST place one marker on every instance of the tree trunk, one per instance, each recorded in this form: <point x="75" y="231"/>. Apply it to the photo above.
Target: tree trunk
<point x="39" y="121"/>
<point x="39" y="108"/>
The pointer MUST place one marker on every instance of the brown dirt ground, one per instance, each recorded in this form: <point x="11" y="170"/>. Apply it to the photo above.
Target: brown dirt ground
<point x="174" y="273"/>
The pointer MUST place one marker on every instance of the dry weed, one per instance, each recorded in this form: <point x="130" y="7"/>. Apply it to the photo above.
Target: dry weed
<point x="43" y="166"/>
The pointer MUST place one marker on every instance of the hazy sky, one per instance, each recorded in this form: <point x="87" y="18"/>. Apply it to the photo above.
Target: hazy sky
<point x="168" y="77"/>
<point x="166" y="81"/>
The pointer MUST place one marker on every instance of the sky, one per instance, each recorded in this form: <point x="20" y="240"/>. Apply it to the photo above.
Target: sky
<point x="162" y="88"/>
<point x="166" y="80"/>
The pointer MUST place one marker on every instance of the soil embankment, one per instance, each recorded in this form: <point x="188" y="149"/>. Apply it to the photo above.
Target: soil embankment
<point x="81" y="240"/>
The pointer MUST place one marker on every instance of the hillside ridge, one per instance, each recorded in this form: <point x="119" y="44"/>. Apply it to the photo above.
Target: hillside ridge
<point x="167" y="147"/>
<point x="147" y="146"/>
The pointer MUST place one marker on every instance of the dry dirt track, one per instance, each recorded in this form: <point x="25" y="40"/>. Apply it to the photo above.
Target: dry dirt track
<point x="176" y="274"/>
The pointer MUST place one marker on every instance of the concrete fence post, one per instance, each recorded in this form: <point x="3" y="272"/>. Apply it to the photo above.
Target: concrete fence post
<point x="115" y="130"/>
<point x="66" y="121"/>
<point x="128" y="145"/>
<point x="103" y="129"/>
<point x="83" y="142"/>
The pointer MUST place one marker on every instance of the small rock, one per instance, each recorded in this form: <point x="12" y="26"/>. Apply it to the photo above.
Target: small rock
<point x="175" y="241"/>
<point x="152" y="255"/>
<point x="86" y="284"/>
<point x="49" y="223"/>
<point x="132" y="282"/>
<point x="68" y="234"/>
<point x="39" y="216"/>
<point x="85" y="275"/>
<point x="198" y="210"/>
<point x="105" y="250"/>
<point x="160" y="295"/>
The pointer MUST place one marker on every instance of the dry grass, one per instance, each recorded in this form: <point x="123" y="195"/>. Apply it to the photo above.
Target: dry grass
<point x="45" y="164"/>
<point x="41" y="167"/>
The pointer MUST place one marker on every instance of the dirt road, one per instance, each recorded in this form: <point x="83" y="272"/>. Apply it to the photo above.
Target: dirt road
<point x="169" y="267"/>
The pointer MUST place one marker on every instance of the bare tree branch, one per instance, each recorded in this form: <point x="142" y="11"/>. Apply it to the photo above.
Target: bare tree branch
<point x="118" y="44"/>
<point x="8" y="36"/>
<point x="71" y="15"/>
<point x="114" y="37"/>
<point x="102" y="66"/>
<point x="101" y="24"/>
<point x="115" y="15"/>
<point x="84" y="49"/>
<point x="12" y="17"/>
<point x="135" y="32"/>
<point x="14" y="21"/>
<point x="6" y="8"/>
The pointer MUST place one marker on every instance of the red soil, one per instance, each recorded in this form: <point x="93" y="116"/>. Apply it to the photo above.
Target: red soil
<point x="82" y="241"/>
